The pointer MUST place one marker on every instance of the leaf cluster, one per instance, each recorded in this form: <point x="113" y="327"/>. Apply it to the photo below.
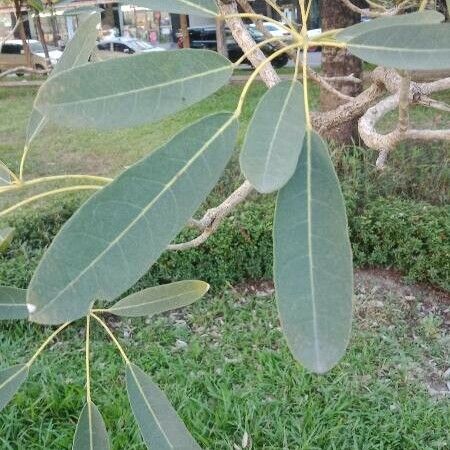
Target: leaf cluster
<point x="122" y="230"/>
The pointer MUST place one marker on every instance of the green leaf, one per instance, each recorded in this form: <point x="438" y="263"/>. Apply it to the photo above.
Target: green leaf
<point x="160" y="299"/>
<point x="80" y="47"/>
<point x="13" y="303"/>
<point x="122" y="230"/>
<point x="206" y="8"/>
<point x="6" y="237"/>
<point x="312" y="261"/>
<point x="273" y="141"/>
<point x="10" y="381"/>
<point x="148" y="86"/>
<point x="76" y="53"/>
<point x="36" y="4"/>
<point x="416" y="18"/>
<point x="407" y="47"/>
<point x="160" y="426"/>
<point x="91" y="432"/>
<point x="5" y="175"/>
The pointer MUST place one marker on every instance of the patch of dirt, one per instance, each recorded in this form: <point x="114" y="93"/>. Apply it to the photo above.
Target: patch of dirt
<point x="384" y="299"/>
<point x="379" y="283"/>
<point x="83" y="163"/>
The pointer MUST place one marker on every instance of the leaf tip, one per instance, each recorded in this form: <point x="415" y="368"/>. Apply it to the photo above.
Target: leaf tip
<point x="31" y="308"/>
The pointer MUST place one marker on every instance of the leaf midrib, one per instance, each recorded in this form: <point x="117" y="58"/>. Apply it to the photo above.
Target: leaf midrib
<point x="14" y="375"/>
<point x="275" y="134"/>
<point x="310" y="251"/>
<point x="135" y="91"/>
<point x="149" y="407"/>
<point x="156" y="302"/>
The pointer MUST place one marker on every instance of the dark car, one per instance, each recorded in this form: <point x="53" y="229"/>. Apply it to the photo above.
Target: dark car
<point x="205" y="38"/>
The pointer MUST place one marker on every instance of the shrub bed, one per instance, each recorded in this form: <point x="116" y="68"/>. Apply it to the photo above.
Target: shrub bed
<point x="409" y="236"/>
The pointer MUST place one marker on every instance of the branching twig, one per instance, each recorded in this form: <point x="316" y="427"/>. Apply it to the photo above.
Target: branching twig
<point x="209" y="223"/>
<point x="404" y="92"/>
<point x="312" y="75"/>
<point x="373" y="14"/>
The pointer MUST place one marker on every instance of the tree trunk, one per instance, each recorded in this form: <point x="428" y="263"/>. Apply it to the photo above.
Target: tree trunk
<point x="22" y="34"/>
<point x="221" y="38"/>
<point x="441" y="6"/>
<point x="42" y="39"/>
<point x="53" y="23"/>
<point x="337" y="62"/>
<point x="185" y="31"/>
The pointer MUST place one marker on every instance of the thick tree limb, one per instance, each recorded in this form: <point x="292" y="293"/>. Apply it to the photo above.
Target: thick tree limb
<point x="23" y="69"/>
<point x="246" y="42"/>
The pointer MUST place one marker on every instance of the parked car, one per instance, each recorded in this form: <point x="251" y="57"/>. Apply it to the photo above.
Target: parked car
<point x="205" y="38"/>
<point x="312" y="34"/>
<point x="127" y="45"/>
<point x="13" y="55"/>
<point x="275" y="30"/>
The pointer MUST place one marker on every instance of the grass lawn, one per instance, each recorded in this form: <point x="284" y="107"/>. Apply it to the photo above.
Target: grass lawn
<point x="231" y="373"/>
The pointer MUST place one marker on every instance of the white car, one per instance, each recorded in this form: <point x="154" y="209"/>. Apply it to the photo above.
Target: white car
<point x="127" y="45"/>
<point x="313" y="34"/>
<point x="275" y="30"/>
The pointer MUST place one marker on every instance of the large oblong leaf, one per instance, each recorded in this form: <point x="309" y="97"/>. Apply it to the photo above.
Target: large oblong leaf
<point x="160" y="426"/>
<point x="121" y="231"/>
<point x="312" y="261"/>
<point x="91" y="431"/>
<point x="416" y="18"/>
<point x="408" y="47"/>
<point x="160" y="299"/>
<point x="206" y="8"/>
<point x="6" y="237"/>
<point x="13" y="303"/>
<point x="123" y="92"/>
<point x="76" y="53"/>
<point x="273" y="141"/>
<point x="10" y="381"/>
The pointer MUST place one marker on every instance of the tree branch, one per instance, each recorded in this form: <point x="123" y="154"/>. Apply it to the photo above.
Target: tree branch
<point x="23" y="69"/>
<point x="312" y="75"/>
<point x="246" y="42"/>
<point x="404" y="92"/>
<point x="373" y="14"/>
<point x="383" y="80"/>
<point x="214" y="217"/>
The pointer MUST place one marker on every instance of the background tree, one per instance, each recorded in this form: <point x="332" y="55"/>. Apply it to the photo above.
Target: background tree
<point x="337" y="62"/>
<point x="21" y="30"/>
